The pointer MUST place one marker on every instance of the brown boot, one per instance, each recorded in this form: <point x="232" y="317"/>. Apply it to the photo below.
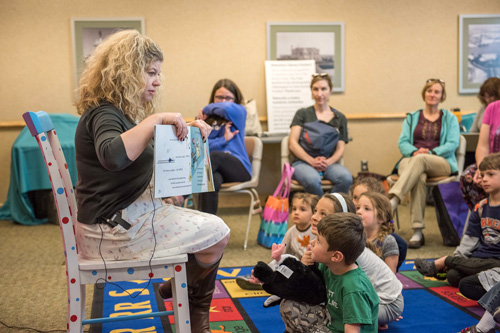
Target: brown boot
<point x="201" y="285"/>
<point x="165" y="290"/>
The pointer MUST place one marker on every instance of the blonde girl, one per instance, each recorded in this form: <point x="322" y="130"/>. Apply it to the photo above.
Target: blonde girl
<point x="376" y="211"/>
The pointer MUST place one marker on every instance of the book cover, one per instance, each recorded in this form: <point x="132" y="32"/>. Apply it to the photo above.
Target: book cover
<point x="181" y="167"/>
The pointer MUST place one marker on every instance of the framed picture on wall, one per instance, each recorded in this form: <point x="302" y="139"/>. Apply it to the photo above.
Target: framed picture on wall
<point x="87" y="33"/>
<point x="322" y="42"/>
<point x="479" y="51"/>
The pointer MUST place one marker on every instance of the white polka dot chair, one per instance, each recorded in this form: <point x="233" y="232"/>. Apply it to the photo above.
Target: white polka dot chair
<point x="80" y="271"/>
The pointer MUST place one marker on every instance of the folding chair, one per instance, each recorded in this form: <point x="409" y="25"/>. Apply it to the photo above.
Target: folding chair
<point x="79" y="271"/>
<point x="254" y="150"/>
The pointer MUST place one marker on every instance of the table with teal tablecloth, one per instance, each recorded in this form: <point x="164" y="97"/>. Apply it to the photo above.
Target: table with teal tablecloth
<point x="28" y="172"/>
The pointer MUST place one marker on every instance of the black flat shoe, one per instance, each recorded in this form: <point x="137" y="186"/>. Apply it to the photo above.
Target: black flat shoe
<point x="416" y="244"/>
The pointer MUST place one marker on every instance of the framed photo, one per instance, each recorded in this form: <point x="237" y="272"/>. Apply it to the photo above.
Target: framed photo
<point x="322" y="42"/>
<point x="87" y="33"/>
<point x="479" y="51"/>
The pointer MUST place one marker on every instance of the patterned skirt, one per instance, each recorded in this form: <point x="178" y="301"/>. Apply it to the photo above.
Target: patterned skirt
<point x="155" y="227"/>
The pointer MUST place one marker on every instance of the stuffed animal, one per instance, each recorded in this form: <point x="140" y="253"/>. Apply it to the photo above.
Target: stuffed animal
<point x="288" y="278"/>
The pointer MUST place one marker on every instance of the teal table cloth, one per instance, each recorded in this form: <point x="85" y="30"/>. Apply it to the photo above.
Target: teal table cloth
<point x="28" y="172"/>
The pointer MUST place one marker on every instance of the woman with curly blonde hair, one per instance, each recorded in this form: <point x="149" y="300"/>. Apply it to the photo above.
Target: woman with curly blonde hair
<point x="376" y="211"/>
<point x="118" y="218"/>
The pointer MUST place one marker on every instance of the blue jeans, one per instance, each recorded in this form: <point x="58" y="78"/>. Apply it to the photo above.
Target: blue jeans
<point x="308" y="177"/>
<point x="491" y="300"/>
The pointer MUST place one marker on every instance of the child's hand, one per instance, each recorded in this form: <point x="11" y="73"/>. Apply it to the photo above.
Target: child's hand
<point x="253" y="279"/>
<point x="307" y="257"/>
<point x="277" y="251"/>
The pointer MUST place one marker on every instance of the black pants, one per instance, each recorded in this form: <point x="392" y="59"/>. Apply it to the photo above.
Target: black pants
<point x="459" y="267"/>
<point x="471" y="288"/>
<point x="226" y="169"/>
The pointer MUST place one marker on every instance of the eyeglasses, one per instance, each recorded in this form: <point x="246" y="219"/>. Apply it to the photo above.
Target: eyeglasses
<point x="224" y="98"/>
<point x="435" y="80"/>
<point x="320" y="75"/>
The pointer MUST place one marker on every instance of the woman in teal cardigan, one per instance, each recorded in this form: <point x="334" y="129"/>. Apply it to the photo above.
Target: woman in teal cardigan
<point x="428" y="142"/>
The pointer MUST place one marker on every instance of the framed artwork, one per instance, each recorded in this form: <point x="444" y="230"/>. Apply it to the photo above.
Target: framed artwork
<point x="322" y="42"/>
<point x="479" y="51"/>
<point x="87" y="33"/>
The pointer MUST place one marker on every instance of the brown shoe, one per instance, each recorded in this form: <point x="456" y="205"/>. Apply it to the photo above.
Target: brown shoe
<point x="165" y="290"/>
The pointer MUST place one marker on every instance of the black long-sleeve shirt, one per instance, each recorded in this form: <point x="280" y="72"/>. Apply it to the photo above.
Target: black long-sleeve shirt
<point x="108" y="180"/>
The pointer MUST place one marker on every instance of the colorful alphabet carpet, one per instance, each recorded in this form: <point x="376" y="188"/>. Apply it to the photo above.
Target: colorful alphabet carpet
<point x="430" y="306"/>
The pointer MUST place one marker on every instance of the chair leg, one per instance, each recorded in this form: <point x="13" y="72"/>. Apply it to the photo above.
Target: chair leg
<point x="180" y="301"/>
<point x="76" y="307"/>
<point x="255" y="208"/>
<point x="250" y="211"/>
<point x="397" y="218"/>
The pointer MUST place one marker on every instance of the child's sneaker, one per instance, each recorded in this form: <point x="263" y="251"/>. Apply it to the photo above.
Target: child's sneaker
<point x="428" y="268"/>
<point x="473" y="329"/>
<point x="243" y="283"/>
<point x="272" y="300"/>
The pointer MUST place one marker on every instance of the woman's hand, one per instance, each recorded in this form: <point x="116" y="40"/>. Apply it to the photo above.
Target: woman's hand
<point x="205" y="128"/>
<point x="477" y="178"/>
<point x="320" y="163"/>
<point x="228" y="135"/>
<point x="137" y="138"/>
<point x="178" y="122"/>
<point x="421" y="151"/>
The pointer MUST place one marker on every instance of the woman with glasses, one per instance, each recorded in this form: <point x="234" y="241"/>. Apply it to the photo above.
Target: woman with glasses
<point x="318" y="135"/>
<point x="228" y="155"/>
<point x="428" y="142"/>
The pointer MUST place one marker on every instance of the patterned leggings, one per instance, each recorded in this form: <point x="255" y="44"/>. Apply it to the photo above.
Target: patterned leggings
<point x="302" y="317"/>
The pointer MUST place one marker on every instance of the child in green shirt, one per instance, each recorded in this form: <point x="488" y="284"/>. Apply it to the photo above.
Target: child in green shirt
<point x="352" y="303"/>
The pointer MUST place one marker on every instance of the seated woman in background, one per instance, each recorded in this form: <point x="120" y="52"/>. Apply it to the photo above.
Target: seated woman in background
<point x="118" y="218"/>
<point x="489" y="92"/>
<point x="228" y="155"/>
<point x="318" y="135"/>
<point x="428" y="142"/>
<point x="488" y="142"/>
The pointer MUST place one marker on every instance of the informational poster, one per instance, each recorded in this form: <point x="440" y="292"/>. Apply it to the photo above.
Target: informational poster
<point x="287" y="87"/>
<point x="181" y="167"/>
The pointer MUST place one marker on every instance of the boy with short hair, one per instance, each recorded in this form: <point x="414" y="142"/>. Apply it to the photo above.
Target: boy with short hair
<point x="479" y="249"/>
<point x="352" y="300"/>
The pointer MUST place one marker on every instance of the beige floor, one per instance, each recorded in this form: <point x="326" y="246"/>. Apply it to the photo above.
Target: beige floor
<point x="32" y="271"/>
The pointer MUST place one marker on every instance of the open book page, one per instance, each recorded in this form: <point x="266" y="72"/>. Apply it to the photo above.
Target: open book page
<point x="181" y="167"/>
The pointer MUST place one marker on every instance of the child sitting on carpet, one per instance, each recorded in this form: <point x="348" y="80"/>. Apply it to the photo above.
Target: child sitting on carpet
<point x="371" y="184"/>
<point x="365" y="184"/>
<point x="491" y="303"/>
<point x="352" y="302"/>
<point x="296" y="239"/>
<point x="386" y="284"/>
<point x="376" y="212"/>
<point x="479" y="249"/>
<point x="300" y="235"/>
